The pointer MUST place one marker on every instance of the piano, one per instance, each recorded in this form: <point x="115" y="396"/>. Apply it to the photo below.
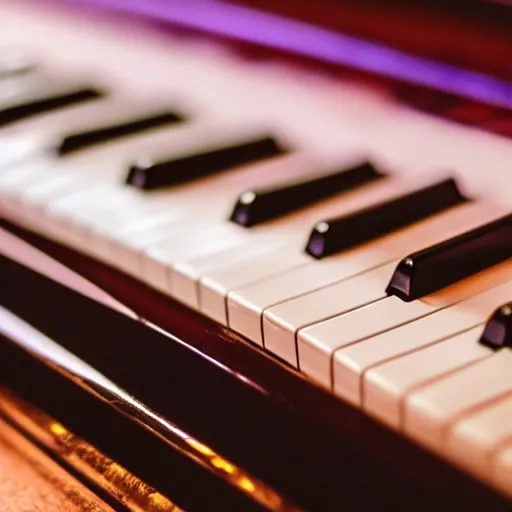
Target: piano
<point x="258" y="255"/>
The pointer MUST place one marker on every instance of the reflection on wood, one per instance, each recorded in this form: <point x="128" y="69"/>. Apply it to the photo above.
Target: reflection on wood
<point x="30" y="480"/>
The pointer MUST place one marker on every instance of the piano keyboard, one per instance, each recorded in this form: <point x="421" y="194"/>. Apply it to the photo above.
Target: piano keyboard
<point x="367" y="245"/>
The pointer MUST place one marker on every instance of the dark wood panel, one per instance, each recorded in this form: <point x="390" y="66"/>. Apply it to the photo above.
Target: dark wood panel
<point x="105" y="421"/>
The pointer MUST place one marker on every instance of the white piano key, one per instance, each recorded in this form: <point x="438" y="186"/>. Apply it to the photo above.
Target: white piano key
<point x="94" y="202"/>
<point x="292" y="229"/>
<point x="502" y="469"/>
<point x="19" y="179"/>
<point x="129" y="253"/>
<point x="32" y="202"/>
<point x="209" y="198"/>
<point x="214" y="209"/>
<point x="208" y="240"/>
<point x="115" y="230"/>
<point x="472" y="441"/>
<point x="429" y="412"/>
<point x="49" y="168"/>
<point x="218" y="283"/>
<point x="316" y="344"/>
<point x="14" y="149"/>
<point x="186" y="274"/>
<point x="105" y="164"/>
<point x="386" y="385"/>
<point x="109" y="162"/>
<point x="282" y="322"/>
<point x="351" y="364"/>
<point x="34" y="170"/>
<point x="247" y="303"/>
<point x="215" y="285"/>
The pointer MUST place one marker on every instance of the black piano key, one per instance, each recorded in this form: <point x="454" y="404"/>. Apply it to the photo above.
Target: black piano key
<point x="39" y="97"/>
<point x="262" y="204"/>
<point x="77" y="141"/>
<point x="341" y="233"/>
<point x="431" y="269"/>
<point x="498" y="330"/>
<point x="150" y="174"/>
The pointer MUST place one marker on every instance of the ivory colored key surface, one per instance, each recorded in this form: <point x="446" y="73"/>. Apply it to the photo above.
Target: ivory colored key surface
<point x="502" y="469"/>
<point x="362" y="180"/>
<point x="29" y="201"/>
<point x="20" y="178"/>
<point x="63" y="216"/>
<point x="429" y="412"/>
<point x="203" y="203"/>
<point x="184" y="283"/>
<point x="216" y="287"/>
<point x="216" y="284"/>
<point x="291" y="230"/>
<point x="14" y="63"/>
<point x="106" y="241"/>
<point x="473" y="440"/>
<point x="351" y="363"/>
<point x="284" y="230"/>
<point x="385" y="386"/>
<point x="156" y="261"/>
<point x="101" y="165"/>
<point x="211" y="195"/>
<point x="107" y="164"/>
<point x="316" y="344"/>
<point x="281" y="322"/>
<point x="247" y="303"/>
<point x="125" y="249"/>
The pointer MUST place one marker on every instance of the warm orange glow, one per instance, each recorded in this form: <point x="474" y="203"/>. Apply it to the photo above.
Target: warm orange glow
<point x="223" y="464"/>
<point x="58" y="429"/>
<point x="200" y="447"/>
<point x="113" y="477"/>
<point x="246" y="484"/>
<point x="159" y="502"/>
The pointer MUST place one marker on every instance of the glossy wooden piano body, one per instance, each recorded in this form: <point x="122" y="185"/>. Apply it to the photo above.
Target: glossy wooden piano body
<point x="264" y="436"/>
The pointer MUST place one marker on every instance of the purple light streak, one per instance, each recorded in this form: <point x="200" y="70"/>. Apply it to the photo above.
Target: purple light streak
<point x="249" y="25"/>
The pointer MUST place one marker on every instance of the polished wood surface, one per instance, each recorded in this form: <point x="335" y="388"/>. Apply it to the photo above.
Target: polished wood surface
<point x="261" y="414"/>
<point x="31" y="482"/>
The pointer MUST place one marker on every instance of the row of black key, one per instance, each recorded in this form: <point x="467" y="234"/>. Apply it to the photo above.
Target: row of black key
<point x="416" y="276"/>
